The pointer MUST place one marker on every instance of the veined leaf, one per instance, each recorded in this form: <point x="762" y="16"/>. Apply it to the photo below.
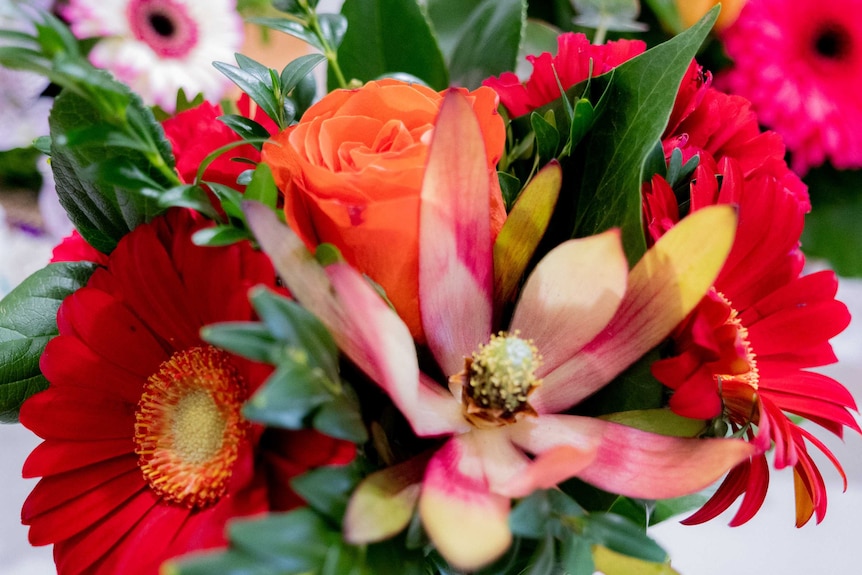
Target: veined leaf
<point x="388" y="36"/>
<point x="639" y="102"/>
<point x="27" y="322"/>
<point x="479" y="38"/>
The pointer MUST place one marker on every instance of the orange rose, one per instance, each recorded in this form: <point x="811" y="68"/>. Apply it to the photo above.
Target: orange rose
<point x="351" y="172"/>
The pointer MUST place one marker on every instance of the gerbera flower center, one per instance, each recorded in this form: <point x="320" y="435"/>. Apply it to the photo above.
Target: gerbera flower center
<point x="165" y="25"/>
<point x="832" y="42"/>
<point x="188" y="426"/>
<point x="498" y="379"/>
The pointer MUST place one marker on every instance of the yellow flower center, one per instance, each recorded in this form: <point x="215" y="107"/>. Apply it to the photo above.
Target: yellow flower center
<point x="188" y="426"/>
<point x="498" y="380"/>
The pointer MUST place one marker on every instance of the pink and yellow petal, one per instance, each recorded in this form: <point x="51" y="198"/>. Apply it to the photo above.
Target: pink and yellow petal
<point x="468" y="524"/>
<point x="455" y="257"/>
<point x="363" y="326"/>
<point x="382" y="505"/>
<point x="664" y="286"/>
<point x="571" y="296"/>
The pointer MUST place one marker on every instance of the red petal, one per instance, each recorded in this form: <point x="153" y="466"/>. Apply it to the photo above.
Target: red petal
<point x="54" y="456"/>
<point x="66" y="413"/>
<point x="81" y="512"/>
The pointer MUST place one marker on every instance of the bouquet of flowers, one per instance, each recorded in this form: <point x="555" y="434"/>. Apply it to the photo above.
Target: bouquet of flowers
<point x="446" y="309"/>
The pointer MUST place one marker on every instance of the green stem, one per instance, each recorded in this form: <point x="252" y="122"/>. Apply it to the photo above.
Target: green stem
<point x="328" y="51"/>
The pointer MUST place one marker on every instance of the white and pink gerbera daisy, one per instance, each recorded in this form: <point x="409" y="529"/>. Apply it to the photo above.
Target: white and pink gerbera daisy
<point x="158" y="47"/>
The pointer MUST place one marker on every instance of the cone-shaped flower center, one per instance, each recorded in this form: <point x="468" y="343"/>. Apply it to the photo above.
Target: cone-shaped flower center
<point x="188" y="426"/>
<point x="498" y="380"/>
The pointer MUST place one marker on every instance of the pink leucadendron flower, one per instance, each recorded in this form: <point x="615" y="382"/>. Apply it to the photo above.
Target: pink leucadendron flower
<point x="581" y="319"/>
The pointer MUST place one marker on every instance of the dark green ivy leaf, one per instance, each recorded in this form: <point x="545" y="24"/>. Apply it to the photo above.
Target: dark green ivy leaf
<point x="27" y="322"/>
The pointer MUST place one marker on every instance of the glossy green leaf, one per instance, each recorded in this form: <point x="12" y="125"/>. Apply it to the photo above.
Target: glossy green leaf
<point x="294" y="325"/>
<point x="102" y="210"/>
<point x="249" y="339"/>
<point x="662" y="421"/>
<point x="327" y="489"/>
<point x="262" y="187"/>
<point x="220" y="236"/>
<point x="576" y="556"/>
<point x="479" y="38"/>
<point x="188" y="196"/>
<point x="341" y="418"/>
<point x="639" y="101"/>
<point x="621" y="535"/>
<point x="253" y="82"/>
<point x="547" y="136"/>
<point x="246" y="128"/>
<point x="27" y="322"/>
<point x="388" y="36"/>
<point x="296" y="70"/>
<point x="295" y="542"/>
<point x="288" y="396"/>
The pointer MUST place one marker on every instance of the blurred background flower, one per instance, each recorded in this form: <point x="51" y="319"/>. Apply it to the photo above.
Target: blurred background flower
<point x="160" y="46"/>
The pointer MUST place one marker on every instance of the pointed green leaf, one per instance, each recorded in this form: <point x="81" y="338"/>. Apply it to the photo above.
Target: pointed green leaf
<point x="479" y="38"/>
<point x="621" y="535"/>
<point x="262" y="187"/>
<point x="288" y="396"/>
<point x="220" y="236"/>
<point x="27" y="322"/>
<point x="639" y="101"/>
<point x="388" y="36"/>
<point x="327" y="489"/>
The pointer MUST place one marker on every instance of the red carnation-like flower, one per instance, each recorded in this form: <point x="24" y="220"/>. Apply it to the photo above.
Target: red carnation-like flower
<point x="742" y="355"/>
<point x="195" y="133"/>
<point x="146" y="454"/>
<point x="800" y="63"/>
<point x="571" y="65"/>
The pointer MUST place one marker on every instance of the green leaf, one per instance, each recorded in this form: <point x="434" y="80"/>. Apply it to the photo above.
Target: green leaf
<point x="102" y="210"/>
<point x="294" y="325"/>
<point x="530" y="516"/>
<point x="298" y="69"/>
<point x="479" y="38"/>
<point x="342" y="419"/>
<point x="547" y="136"/>
<point x="251" y="81"/>
<point x="295" y="542"/>
<point x="249" y="339"/>
<point x="576" y="556"/>
<point x="639" y="102"/>
<point x="388" y="36"/>
<point x="225" y="563"/>
<point x="262" y="187"/>
<point x="188" y="196"/>
<point x="27" y="322"/>
<point x="220" y="236"/>
<point x="832" y="231"/>
<point x="327" y="489"/>
<point x="621" y="535"/>
<point x="288" y="396"/>
<point x="246" y="128"/>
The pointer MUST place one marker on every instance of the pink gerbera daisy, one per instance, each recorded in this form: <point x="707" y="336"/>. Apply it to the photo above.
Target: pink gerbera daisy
<point x="800" y="63"/>
<point x="158" y="47"/>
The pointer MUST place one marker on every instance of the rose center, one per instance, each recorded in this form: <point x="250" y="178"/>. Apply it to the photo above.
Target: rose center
<point x="498" y="380"/>
<point x="164" y="25"/>
<point x="188" y="426"/>
<point x="832" y="42"/>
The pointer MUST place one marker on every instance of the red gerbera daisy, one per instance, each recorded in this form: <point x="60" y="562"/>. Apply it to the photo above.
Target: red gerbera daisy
<point x="146" y="454"/>
<point x="800" y="63"/>
<point x="575" y="55"/>
<point x="741" y="355"/>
